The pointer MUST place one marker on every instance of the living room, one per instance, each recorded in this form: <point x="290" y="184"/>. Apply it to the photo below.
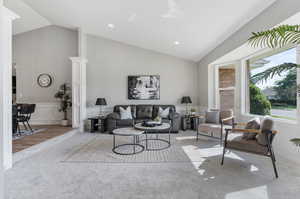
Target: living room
<point x="160" y="106"/>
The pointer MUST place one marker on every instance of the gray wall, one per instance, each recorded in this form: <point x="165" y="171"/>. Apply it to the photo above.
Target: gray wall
<point x="110" y="62"/>
<point x="45" y="50"/>
<point x="276" y="13"/>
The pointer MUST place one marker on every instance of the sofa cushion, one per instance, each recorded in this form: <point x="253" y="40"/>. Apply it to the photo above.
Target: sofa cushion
<point x="238" y="143"/>
<point x="212" y="117"/>
<point x="144" y="111"/>
<point x="252" y="124"/>
<point x="124" y="123"/>
<point x="125" y="113"/>
<point x="266" y="125"/>
<point x="172" y="109"/>
<point x="133" y="109"/>
<point x="164" y="113"/>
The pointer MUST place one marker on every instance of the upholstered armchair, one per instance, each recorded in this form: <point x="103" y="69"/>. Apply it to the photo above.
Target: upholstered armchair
<point x="215" y="123"/>
<point x="260" y="145"/>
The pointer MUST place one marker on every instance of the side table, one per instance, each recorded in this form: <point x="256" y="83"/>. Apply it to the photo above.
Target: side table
<point x="97" y="124"/>
<point x="191" y="122"/>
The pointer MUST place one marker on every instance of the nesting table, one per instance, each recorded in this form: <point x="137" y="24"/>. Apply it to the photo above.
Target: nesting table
<point x="131" y="132"/>
<point x="155" y="130"/>
<point x="135" y="132"/>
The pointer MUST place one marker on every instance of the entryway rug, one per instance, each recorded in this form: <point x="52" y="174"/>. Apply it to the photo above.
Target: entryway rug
<point x="184" y="148"/>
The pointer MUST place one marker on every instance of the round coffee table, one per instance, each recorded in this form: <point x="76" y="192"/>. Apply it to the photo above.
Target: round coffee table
<point x="135" y="133"/>
<point x="155" y="130"/>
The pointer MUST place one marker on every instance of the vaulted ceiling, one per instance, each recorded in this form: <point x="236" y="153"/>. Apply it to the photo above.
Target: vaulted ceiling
<point x="187" y="29"/>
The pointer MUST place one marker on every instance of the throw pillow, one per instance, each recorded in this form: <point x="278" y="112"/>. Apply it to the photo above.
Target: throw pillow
<point x="267" y="124"/>
<point x="212" y="117"/>
<point x="163" y="113"/>
<point x="252" y="124"/>
<point x="125" y="113"/>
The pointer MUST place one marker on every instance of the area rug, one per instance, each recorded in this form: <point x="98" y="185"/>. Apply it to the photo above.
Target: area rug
<point x="183" y="149"/>
<point x="27" y="132"/>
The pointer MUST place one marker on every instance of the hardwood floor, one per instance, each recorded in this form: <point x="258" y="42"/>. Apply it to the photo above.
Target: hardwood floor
<point x="50" y="131"/>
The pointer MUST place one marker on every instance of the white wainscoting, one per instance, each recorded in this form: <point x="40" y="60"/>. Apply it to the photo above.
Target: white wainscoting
<point x="95" y="110"/>
<point x="46" y="114"/>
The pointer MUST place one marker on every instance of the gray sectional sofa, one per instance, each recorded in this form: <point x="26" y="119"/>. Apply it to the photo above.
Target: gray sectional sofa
<point x="142" y="113"/>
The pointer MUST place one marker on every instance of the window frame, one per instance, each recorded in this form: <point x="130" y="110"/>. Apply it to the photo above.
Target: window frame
<point x="245" y="99"/>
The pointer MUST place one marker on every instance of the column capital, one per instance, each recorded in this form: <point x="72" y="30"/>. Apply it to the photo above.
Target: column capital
<point x="10" y="14"/>
<point x="78" y="60"/>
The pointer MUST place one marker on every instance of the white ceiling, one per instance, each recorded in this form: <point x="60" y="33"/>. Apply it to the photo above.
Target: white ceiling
<point x="199" y="25"/>
<point x="29" y="18"/>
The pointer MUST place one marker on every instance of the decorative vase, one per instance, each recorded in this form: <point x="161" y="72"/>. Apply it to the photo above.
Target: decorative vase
<point x="64" y="122"/>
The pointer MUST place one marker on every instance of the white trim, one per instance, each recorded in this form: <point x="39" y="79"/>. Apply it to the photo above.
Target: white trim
<point x="9" y="14"/>
<point x="244" y="83"/>
<point x="78" y="92"/>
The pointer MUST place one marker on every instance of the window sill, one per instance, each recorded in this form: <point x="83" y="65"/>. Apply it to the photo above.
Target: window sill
<point x="280" y="120"/>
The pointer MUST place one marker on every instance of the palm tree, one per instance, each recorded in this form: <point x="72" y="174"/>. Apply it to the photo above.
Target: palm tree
<point x="277" y="37"/>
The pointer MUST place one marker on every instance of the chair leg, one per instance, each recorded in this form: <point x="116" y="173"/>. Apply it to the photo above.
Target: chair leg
<point x="272" y="155"/>
<point x="274" y="165"/>
<point x="18" y="127"/>
<point x="25" y="126"/>
<point x="29" y="126"/>
<point x="224" y="150"/>
<point x="221" y="139"/>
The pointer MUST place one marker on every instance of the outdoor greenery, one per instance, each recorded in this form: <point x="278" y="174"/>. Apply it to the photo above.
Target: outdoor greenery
<point x="64" y="95"/>
<point x="277" y="37"/>
<point x="286" y="89"/>
<point x="259" y="104"/>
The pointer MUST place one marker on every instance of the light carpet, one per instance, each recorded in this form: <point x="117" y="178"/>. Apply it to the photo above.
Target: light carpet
<point x="99" y="149"/>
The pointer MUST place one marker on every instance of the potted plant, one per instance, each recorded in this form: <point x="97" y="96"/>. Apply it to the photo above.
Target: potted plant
<point x="64" y="95"/>
<point x="193" y="111"/>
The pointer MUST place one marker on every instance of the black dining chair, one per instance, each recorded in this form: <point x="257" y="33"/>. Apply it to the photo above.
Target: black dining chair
<point x="24" y="116"/>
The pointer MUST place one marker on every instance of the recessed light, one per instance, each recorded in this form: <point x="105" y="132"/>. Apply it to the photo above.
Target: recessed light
<point x="176" y="43"/>
<point x="111" y="26"/>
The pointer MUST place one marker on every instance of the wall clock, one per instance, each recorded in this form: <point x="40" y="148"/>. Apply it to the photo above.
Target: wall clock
<point x="44" y="80"/>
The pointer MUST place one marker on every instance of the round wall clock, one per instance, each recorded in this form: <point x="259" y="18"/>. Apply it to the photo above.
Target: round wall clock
<point x="44" y="80"/>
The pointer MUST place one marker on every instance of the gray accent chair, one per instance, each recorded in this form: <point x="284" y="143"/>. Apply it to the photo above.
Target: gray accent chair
<point x="216" y="130"/>
<point x="237" y="142"/>
<point x="142" y="113"/>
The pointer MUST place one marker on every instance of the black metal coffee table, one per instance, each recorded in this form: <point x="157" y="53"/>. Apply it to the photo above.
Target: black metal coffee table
<point x="157" y="131"/>
<point x="135" y="133"/>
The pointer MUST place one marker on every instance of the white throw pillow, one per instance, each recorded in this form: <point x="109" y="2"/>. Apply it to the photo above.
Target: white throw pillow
<point x="126" y="113"/>
<point x="163" y="113"/>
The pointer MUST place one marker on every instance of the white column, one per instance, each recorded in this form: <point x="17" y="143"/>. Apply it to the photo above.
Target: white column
<point x="6" y="86"/>
<point x="78" y="92"/>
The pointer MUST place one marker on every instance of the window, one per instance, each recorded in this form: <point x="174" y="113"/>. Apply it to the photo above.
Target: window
<point x="273" y="84"/>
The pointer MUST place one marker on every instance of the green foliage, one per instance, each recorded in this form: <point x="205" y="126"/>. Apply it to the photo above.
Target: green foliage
<point x="64" y="95"/>
<point x="286" y="88"/>
<point x="259" y="104"/>
<point x="269" y="73"/>
<point x="276" y="37"/>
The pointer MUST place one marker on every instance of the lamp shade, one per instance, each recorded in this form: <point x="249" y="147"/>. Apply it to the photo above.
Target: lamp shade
<point x="101" y="101"/>
<point x="186" y="100"/>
